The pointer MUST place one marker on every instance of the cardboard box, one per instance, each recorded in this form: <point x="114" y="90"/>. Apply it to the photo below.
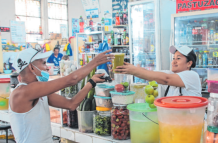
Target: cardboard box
<point x="54" y="36"/>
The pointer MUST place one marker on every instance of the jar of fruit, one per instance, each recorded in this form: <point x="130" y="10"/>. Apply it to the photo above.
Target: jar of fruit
<point x="102" y="121"/>
<point x="120" y="126"/>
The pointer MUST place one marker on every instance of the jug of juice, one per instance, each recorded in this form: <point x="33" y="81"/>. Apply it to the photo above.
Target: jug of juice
<point x="118" y="60"/>
<point x="179" y="117"/>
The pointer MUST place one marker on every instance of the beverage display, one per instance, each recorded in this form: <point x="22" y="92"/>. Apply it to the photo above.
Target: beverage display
<point x="215" y="58"/>
<point x="210" y="58"/>
<point x="211" y="32"/>
<point x="180" y="116"/>
<point x="118" y="60"/>
<point x="189" y="33"/>
<point x="144" y="126"/>
<point x="204" y="28"/>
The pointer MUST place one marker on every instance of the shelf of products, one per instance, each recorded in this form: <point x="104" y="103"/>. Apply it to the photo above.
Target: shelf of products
<point x="119" y="46"/>
<point x="120" y="26"/>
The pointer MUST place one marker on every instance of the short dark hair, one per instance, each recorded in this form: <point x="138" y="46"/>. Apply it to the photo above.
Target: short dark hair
<point x="56" y="48"/>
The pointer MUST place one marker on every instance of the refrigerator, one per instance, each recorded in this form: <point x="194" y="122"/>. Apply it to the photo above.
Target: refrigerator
<point x="149" y="33"/>
<point x="198" y="30"/>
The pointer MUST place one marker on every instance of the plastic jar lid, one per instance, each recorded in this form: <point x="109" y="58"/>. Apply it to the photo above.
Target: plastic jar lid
<point x="122" y="93"/>
<point x="214" y="95"/>
<point x="103" y="109"/>
<point x="141" y="107"/>
<point x="4" y="80"/>
<point x="105" y="86"/>
<point x="212" y="129"/>
<point x="181" y="102"/>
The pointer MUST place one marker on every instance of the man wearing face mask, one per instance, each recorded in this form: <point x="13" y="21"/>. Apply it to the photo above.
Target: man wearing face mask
<point x="29" y="102"/>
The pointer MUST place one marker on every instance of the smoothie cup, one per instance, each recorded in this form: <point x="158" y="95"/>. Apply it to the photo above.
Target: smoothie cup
<point x="118" y="60"/>
<point x="181" y="118"/>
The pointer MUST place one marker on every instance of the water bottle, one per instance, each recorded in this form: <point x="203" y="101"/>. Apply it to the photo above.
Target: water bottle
<point x="189" y="33"/>
<point x="200" y="60"/>
<point x="182" y="35"/>
<point x="205" y="59"/>
<point x="210" y="58"/>
<point x="197" y="56"/>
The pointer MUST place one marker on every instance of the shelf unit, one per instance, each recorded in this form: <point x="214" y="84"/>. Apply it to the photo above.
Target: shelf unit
<point x="98" y="34"/>
<point x="120" y="26"/>
<point x="112" y="46"/>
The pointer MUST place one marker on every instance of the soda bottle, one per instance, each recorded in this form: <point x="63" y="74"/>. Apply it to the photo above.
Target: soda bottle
<point x="118" y="38"/>
<point x="204" y="29"/>
<point x="205" y="59"/>
<point x="121" y="18"/>
<point x="124" y="37"/>
<point x="125" y="18"/>
<point x="211" y="32"/>
<point x="189" y="33"/>
<point x="200" y="60"/>
<point x="115" y="39"/>
<point x="210" y="57"/>
<point x="117" y="19"/>
<point x="216" y="32"/>
<point x="112" y="37"/>
<point x="182" y="35"/>
<point x="90" y="23"/>
<point x="198" y="33"/>
<point x="197" y="56"/>
<point x="194" y="33"/>
<point x="127" y="39"/>
<point x="102" y="25"/>
<point x="81" y="24"/>
<point x="215" y="58"/>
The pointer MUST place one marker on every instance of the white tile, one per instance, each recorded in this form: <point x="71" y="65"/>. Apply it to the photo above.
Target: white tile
<point x="67" y="134"/>
<point x="99" y="140"/>
<point x="83" y="138"/>
<point x="56" y="131"/>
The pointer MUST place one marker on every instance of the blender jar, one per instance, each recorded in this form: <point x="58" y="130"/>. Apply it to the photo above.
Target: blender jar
<point x="181" y="118"/>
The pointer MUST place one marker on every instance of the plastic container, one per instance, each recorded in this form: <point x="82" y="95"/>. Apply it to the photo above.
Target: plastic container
<point x="103" y="101"/>
<point x="139" y="89"/>
<point x="144" y="126"/>
<point x="102" y="121"/>
<point x="212" y="86"/>
<point x="104" y="90"/>
<point x="120" y="126"/>
<point x="212" y="110"/>
<point x="72" y="119"/>
<point x="85" y="121"/>
<point x="122" y="98"/>
<point x="51" y="69"/>
<point x="212" y="74"/>
<point x="211" y="135"/>
<point x="118" y="60"/>
<point x="7" y="71"/>
<point x="4" y="93"/>
<point x="179" y="117"/>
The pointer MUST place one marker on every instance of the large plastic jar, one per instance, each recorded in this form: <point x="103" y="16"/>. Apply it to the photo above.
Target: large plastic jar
<point x="144" y="126"/>
<point x="212" y="110"/>
<point x="181" y="118"/>
<point x="102" y="121"/>
<point x="139" y="89"/>
<point x="120" y="126"/>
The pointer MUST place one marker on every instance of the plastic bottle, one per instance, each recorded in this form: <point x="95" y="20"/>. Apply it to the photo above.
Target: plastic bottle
<point x="197" y="56"/>
<point x="182" y="35"/>
<point x="211" y="32"/>
<point x="215" y="58"/>
<point x="127" y="39"/>
<point x="125" y="21"/>
<point x="118" y="38"/>
<point x="115" y="39"/>
<point x="117" y="19"/>
<point x="216" y="32"/>
<point x="121" y="18"/>
<point x="151" y="21"/>
<point x="81" y="24"/>
<point x="126" y="17"/>
<point x="205" y="59"/>
<point x="90" y="23"/>
<point x="124" y="37"/>
<point x="112" y="37"/>
<point x="189" y="33"/>
<point x="102" y="25"/>
<point x="210" y="58"/>
<point x="204" y="29"/>
<point x="194" y="33"/>
<point x="200" y="59"/>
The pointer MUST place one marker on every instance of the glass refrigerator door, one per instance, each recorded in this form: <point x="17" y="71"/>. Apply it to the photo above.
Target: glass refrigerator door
<point x="142" y="30"/>
<point x="199" y="32"/>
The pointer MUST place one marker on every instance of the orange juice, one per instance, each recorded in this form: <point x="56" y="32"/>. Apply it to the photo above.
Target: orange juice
<point x="186" y="133"/>
<point x="118" y="60"/>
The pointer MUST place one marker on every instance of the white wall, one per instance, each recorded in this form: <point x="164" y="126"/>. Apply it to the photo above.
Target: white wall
<point x="7" y="13"/>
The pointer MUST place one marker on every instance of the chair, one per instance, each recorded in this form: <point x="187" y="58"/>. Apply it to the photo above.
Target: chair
<point x="5" y="127"/>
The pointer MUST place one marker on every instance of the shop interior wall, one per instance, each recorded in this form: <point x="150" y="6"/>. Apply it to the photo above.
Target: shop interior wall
<point x="7" y="13"/>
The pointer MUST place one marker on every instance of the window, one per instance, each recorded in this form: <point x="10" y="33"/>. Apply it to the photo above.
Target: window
<point x="57" y="14"/>
<point x="30" y="12"/>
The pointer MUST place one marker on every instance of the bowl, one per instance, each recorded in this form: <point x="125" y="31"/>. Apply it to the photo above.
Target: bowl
<point x="7" y="71"/>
